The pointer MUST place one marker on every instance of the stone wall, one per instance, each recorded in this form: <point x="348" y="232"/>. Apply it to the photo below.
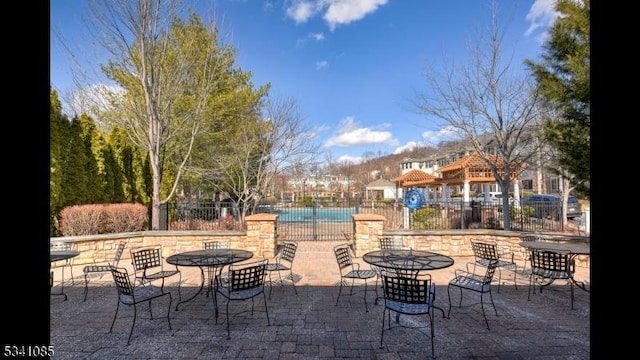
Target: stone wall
<point x="261" y="238"/>
<point x="368" y="227"/>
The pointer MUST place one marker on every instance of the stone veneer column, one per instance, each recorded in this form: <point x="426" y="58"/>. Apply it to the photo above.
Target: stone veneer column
<point x="367" y="229"/>
<point x="261" y="234"/>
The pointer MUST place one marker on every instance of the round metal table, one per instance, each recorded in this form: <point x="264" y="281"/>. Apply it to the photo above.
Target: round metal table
<point x="574" y="248"/>
<point x="407" y="259"/>
<point x="212" y="259"/>
<point x="60" y="255"/>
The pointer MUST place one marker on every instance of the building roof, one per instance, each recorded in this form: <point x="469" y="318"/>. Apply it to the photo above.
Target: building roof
<point x="415" y="175"/>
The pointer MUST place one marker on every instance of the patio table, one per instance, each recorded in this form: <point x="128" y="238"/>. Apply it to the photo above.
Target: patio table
<point x="213" y="259"/>
<point x="573" y="248"/>
<point x="408" y="260"/>
<point x="59" y="255"/>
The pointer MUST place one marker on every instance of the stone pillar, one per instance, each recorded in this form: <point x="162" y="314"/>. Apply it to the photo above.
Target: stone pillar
<point x="261" y="234"/>
<point x="367" y="229"/>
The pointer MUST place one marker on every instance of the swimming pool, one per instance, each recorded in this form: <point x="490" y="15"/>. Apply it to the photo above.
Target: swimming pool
<point x="301" y="215"/>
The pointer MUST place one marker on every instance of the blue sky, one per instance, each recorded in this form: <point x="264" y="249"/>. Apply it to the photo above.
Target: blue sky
<point x="352" y="66"/>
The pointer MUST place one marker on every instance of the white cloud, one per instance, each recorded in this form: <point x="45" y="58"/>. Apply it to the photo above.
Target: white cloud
<point x="346" y="11"/>
<point x="433" y="138"/>
<point x="349" y="159"/>
<point x="350" y="133"/>
<point x="313" y="36"/>
<point x="541" y="15"/>
<point x="316" y="36"/>
<point x="321" y="64"/>
<point x="336" y="12"/>
<point x="408" y="147"/>
<point x="301" y="10"/>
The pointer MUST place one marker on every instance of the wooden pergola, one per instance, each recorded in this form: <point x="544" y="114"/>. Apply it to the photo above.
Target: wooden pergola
<point x="471" y="168"/>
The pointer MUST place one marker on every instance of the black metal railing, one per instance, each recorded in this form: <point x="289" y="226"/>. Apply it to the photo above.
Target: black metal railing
<point x="316" y="220"/>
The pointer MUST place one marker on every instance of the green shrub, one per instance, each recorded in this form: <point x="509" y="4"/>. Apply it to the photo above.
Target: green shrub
<point x="425" y="218"/>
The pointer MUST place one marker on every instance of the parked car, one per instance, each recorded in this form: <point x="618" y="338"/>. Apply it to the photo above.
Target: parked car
<point x="495" y="197"/>
<point x="550" y="205"/>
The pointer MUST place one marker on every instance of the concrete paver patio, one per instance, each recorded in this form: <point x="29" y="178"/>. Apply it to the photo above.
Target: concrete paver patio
<point x="309" y="325"/>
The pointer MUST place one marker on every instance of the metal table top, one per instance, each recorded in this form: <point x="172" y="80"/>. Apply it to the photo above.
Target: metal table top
<point x="574" y="248"/>
<point x="209" y="257"/>
<point x="62" y="255"/>
<point x="407" y="259"/>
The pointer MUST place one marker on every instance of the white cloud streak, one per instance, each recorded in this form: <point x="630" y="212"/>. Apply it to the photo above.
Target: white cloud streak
<point x="350" y="133"/>
<point x="541" y="15"/>
<point x="335" y="12"/>
<point x="321" y="64"/>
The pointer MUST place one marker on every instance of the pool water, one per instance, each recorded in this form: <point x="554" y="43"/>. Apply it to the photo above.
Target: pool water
<point x="316" y="214"/>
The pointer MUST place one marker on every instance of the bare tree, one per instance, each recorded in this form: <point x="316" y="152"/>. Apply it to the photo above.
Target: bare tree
<point x="167" y="71"/>
<point x="278" y="143"/>
<point x="491" y="103"/>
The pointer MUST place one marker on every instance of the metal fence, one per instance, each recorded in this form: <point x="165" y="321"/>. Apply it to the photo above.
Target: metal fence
<point x="463" y="215"/>
<point x="203" y="215"/>
<point x="318" y="221"/>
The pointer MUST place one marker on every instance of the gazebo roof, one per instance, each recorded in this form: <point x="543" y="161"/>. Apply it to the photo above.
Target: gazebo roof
<point x="474" y="169"/>
<point x="415" y="175"/>
<point x="470" y="161"/>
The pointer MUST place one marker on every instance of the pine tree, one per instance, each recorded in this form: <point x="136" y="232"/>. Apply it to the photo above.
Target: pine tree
<point x="563" y="76"/>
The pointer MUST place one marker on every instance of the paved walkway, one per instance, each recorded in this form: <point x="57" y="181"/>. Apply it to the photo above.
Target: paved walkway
<point x="309" y="325"/>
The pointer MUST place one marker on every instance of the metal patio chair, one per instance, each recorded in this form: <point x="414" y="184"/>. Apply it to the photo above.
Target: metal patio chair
<point x="131" y="295"/>
<point x="245" y="282"/>
<point x="473" y="279"/>
<point x="527" y="255"/>
<point x="548" y="266"/>
<point x="283" y="261"/>
<point x="409" y="295"/>
<point x="148" y="264"/>
<point x="391" y="242"/>
<point x="350" y="270"/>
<point x="484" y="252"/>
<point x="211" y="270"/>
<point x="97" y="270"/>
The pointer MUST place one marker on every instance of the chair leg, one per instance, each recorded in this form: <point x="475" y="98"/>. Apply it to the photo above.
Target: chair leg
<point x="214" y="297"/>
<point x="169" y="312"/>
<point x="228" y="321"/>
<point x="293" y="282"/>
<point x="382" y="332"/>
<point x="114" y="316"/>
<point x="150" y="311"/>
<point x="73" y="281"/>
<point x="366" y="306"/>
<point x="483" y="314"/>
<point x="449" y="296"/>
<point x="571" y="284"/>
<point x="266" y="309"/>
<point x="492" y="303"/>
<point x="433" y="335"/>
<point x="135" y="314"/>
<point x="86" y="287"/>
